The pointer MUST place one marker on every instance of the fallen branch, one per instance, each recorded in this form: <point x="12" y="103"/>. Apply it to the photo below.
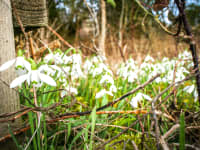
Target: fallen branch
<point x="60" y="37"/>
<point x="167" y="134"/>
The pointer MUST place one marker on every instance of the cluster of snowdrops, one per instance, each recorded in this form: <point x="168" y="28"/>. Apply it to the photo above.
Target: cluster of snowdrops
<point x="73" y="74"/>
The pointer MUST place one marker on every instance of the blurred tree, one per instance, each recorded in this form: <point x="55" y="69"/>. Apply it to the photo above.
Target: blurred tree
<point x="193" y="14"/>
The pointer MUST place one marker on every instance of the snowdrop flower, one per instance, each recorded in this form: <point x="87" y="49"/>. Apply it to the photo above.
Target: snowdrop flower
<point x="132" y="76"/>
<point x="76" y="59"/>
<point x="137" y="98"/>
<point x="67" y="59"/>
<point x="189" y="89"/>
<point x="107" y="79"/>
<point x="68" y="90"/>
<point x="47" y="69"/>
<point x="105" y="68"/>
<point x="95" y="59"/>
<point x="102" y="93"/>
<point x="58" y="70"/>
<point x="190" y="65"/>
<point x="76" y="71"/>
<point x="192" y="89"/>
<point x="158" y="80"/>
<point x="146" y="66"/>
<point x="67" y="70"/>
<point x="185" y="55"/>
<point x="148" y="59"/>
<point x="87" y="66"/>
<point x="20" y="62"/>
<point x="57" y="58"/>
<point x="98" y="59"/>
<point x="99" y="70"/>
<point x="35" y="77"/>
<point x="113" y="88"/>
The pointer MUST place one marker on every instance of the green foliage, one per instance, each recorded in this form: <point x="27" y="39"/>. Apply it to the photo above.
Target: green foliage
<point x="112" y="2"/>
<point x="182" y="132"/>
<point x="90" y="84"/>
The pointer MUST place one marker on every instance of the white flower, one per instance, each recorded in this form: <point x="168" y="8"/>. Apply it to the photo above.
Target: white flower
<point x="67" y="90"/>
<point x="148" y="58"/>
<point x="87" y="66"/>
<point x="35" y="77"/>
<point x="132" y="76"/>
<point x="19" y="62"/>
<point x="57" y="58"/>
<point x="165" y="59"/>
<point x="137" y="98"/>
<point x="98" y="59"/>
<point x="102" y="93"/>
<point x="76" y="59"/>
<point x="189" y="89"/>
<point x="113" y="88"/>
<point x="47" y="69"/>
<point x="67" y="59"/>
<point x="107" y="79"/>
<point x="76" y="71"/>
<point x="100" y="69"/>
<point x="58" y="69"/>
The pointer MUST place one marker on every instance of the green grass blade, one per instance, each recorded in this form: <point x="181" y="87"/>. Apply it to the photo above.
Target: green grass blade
<point x="93" y="115"/>
<point x="14" y="139"/>
<point x="182" y="132"/>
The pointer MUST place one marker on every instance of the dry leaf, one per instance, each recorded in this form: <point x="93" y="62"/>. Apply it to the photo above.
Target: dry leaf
<point x="160" y="4"/>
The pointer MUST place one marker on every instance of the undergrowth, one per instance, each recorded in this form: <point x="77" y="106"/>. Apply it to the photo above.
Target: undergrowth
<point x="60" y="87"/>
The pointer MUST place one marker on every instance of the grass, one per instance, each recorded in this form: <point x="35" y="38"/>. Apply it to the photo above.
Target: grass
<point x="90" y="84"/>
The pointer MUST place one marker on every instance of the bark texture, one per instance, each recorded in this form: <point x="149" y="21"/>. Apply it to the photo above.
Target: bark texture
<point x="9" y="100"/>
<point x="103" y="28"/>
<point x="32" y="13"/>
<point x="187" y="28"/>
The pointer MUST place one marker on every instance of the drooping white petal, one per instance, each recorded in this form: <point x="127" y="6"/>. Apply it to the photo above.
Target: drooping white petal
<point x="18" y="81"/>
<point x="134" y="102"/>
<point x="189" y="89"/>
<point x="146" y="97"/>
<point x="47" y="79"/>
<point x="63" y="93"/>
<point x="27" y="65"/>
<point x="113" y="88"/>
<point x="19" y="61"/>
<point x="72" y="90"/>
<point x="35" y="76"/>
<point x="7" y="64"/>
<point x="102" y="93"/>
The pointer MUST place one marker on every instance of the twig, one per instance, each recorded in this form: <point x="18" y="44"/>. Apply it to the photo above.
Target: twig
<point x="155" y="18"/>
<point x="167" y="134"/>
<point x="94" y="18"/>
<point x="171" y="131"/>
<point x="60" y="37"/>
<point x="187" y="145"/>
<point x="115" y="101"/>
<point x="125" y="143"/>
<point x="134" y="145"/>
<point x="15" y="133"/>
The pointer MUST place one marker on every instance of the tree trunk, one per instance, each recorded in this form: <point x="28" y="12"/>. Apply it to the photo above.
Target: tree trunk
<point x="103" y="29"/>
<point x="9" y="100"/>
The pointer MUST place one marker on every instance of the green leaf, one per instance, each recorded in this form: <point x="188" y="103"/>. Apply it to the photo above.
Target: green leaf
<point x="93" y="115"/>
<point x="112" y="2"/>
<point x="14" y="139"/>
<point x="182" y="132"/>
